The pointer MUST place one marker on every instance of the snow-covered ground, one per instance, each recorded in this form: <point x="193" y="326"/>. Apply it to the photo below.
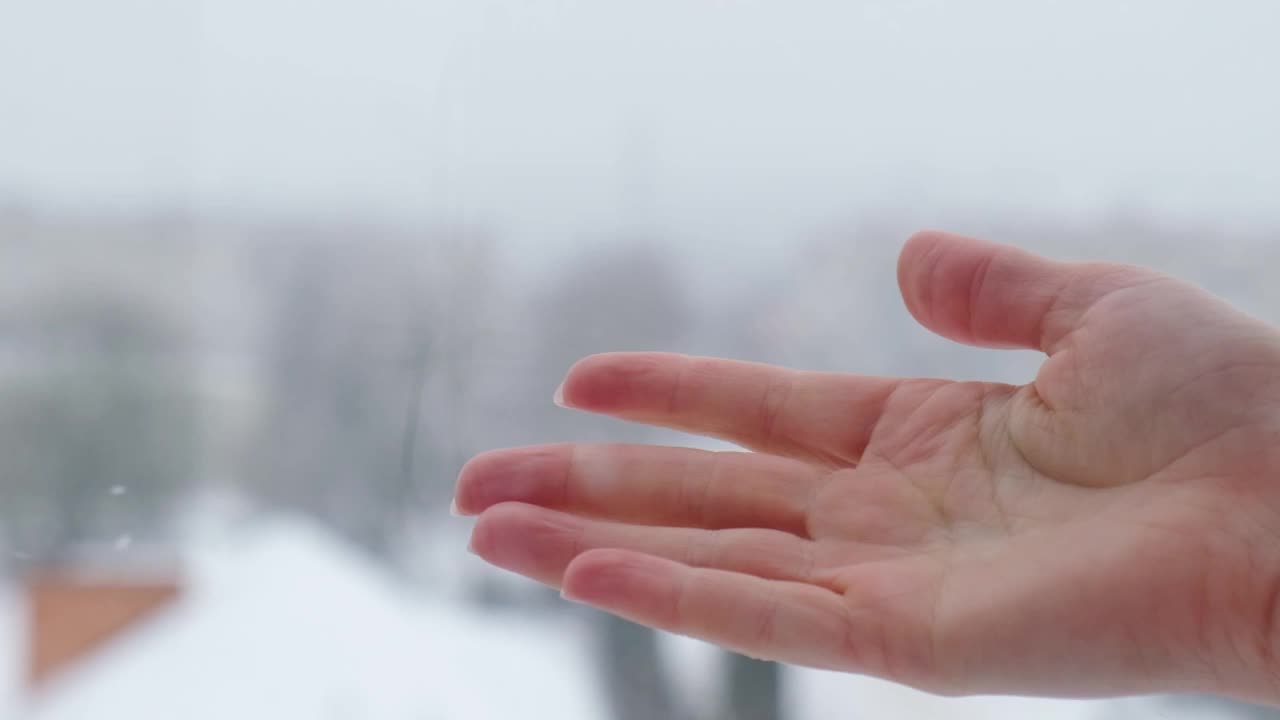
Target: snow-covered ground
<point x="281" y="621"/>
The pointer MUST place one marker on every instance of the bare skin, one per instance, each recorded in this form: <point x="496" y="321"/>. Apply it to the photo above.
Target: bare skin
<point x="1111" y="528"/>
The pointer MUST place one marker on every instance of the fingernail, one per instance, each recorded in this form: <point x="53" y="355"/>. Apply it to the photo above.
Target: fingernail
<point x="453" y="508"/>
<point x="558" y="397"/>
<point x="471" y="546"/>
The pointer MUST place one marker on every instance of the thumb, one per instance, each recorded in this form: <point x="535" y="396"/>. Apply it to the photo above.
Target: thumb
<point x="980" y="293"/>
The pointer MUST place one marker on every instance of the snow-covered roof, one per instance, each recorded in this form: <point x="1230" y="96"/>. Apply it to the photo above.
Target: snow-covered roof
<point x="282" y="621"/>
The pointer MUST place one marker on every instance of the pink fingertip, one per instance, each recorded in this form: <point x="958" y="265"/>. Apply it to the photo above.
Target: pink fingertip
<point x="606" y="577"/>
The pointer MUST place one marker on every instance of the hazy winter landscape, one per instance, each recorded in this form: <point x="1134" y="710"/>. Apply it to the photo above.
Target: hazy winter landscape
<point x="270" y="272"/>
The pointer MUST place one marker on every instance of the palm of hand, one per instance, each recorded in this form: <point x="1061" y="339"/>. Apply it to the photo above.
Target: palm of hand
<point x="1102" y="530"/>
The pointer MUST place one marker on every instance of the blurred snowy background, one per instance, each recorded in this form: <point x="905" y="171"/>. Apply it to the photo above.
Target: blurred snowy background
<point x="270" y="272"/>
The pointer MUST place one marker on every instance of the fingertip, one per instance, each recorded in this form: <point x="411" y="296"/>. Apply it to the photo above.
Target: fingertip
<point x="525" y="474"/>
<point x="610" y="578"/>
<point x="525" y="539"/>
<point x="469" y="485"/>
<point x="978" y="292"/>
<point x="478" y="542"/>
<point x="610" y="382"/>
<point x="915" y="263"/>
<point x="570" y="389"/>
<point x="461" y="505"/>
<point x="573" y="383"/>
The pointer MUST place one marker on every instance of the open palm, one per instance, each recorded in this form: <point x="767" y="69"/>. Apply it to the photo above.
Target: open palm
<point x="1112" y="527"/>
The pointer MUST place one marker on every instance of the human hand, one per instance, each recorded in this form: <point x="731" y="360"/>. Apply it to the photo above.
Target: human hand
<point x="1112" y="527"/>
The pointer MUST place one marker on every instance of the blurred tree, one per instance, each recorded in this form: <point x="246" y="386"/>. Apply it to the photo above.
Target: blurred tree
<point x="755" y="689"/>
<point x="99" y="422"/>
<point x="626" y="295"/>
<point x="366" y="339"/>
<point x="621" y="296"/>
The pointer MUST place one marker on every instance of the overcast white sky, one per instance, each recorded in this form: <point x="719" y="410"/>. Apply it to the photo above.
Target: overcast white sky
<point x="732" y="121"/>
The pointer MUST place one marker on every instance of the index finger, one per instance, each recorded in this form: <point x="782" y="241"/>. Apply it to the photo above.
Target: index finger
<point x="819" y="417"/>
